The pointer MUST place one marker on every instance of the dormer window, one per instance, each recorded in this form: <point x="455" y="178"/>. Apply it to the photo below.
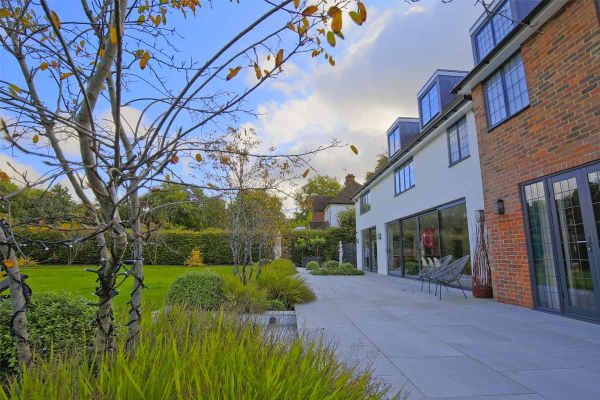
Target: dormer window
<point x="430" y="105"/>
<point x="494" y="30"/>
<point x="394" y="141"/>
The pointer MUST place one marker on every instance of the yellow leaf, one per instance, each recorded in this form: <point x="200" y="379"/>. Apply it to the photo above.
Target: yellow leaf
<point x="292" y="27"/>
<point x="65" y="75"/>
<point x="331" y="38"/>
<point x="64" y="226"/>
<point x="82" y="44"/>
<point x="310" y="10"/>
<point x="138" y="53"/>
<point x="14" y="89"/>
<point x="36" y="138"/>
<point x="198" y="157"/>
<point x="233" y="72"/>
<point x="336" y="23"/>
<point x="4" y="12"/>
<point x="168" y="178"/>
<point x="4" y="176"/>
<point x="362" y="10"/>
<point x="296" y="4"/>
<point x="279" y="58"/>
<point x="356" y="18"/>
<point x="175" y="159"/>
<point x="55" y="19"/>
<point x="144" y="60"/>
<point x="9" y="263"/>
<point x="257" y="71"/>
<point x="354" y="149"/>
<point x="332" y="61"/>
<point x="305" y="174"/>
<point x="113" y="35"/>
<point x="141" y="19"/>
<point x="54" y="64"/>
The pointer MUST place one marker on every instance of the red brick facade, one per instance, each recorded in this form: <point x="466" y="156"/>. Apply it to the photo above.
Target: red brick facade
<point x="559" y="130"/>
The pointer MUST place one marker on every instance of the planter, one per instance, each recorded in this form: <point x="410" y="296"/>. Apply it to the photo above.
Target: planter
<point x="483" y="292"/>
<point x="307" y="259"/>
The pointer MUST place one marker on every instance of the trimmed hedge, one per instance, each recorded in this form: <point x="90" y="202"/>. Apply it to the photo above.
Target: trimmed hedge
<point x="312" y="265"/>
<point x="337" y="269"/>
<point x="203" y="289"/>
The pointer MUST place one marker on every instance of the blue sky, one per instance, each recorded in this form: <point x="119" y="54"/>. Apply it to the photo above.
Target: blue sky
<point x="379" y="69"/>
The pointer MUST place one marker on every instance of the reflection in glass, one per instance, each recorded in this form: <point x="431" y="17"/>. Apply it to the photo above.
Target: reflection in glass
<point x="454" y="234"/>
<point x="429" y="236"/>
<point x="594" y="181"/>
<point x="536" y="209"/>
<point x="410" y="250"/>
<point x="394" y="251"/>
<point x="369" y="240"/>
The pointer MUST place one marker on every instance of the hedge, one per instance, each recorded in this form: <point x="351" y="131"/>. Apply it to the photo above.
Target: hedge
<point x="172" y="247"/>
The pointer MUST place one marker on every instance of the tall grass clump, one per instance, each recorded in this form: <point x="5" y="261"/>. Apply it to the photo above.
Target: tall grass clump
<point x="200" y="289"/>
<point x="189" y="354"/>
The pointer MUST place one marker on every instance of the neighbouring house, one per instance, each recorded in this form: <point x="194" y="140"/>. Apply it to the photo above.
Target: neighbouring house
<point x="423" y="203"/>
<point x="325" y="209"/>
<point x="536" y="100"/>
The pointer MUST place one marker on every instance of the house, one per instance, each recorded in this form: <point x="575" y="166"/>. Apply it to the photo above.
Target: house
<point x="536" y="101"/>
<point x="518" y="137"/>
<point x="325" y="209"/>
<point x="423" y="203"/>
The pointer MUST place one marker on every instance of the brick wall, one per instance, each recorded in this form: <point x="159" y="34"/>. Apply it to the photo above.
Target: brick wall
<point x="559" y="130"/>
<point x="318" y="216"/>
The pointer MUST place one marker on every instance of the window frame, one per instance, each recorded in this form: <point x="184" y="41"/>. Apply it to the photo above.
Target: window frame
<point x="395" y="131"/>
<point x="427" y="95"/>
<point x="490" y="21"/>
<point x="461" y="156"/>
<point x="411" y="175"/>
<point x="501" y="71"/>
<point x="364" y="206"/>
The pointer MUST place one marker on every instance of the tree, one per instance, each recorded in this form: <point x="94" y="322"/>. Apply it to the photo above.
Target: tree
<point x="321" y="185"/>
<point x="382" y="160"/>
<point x="116" y="55"/>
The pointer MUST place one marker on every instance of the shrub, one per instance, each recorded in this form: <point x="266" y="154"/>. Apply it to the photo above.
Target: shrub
<point x="27" y="262"/>
<point x="338" y="269"/>
<point x="311" y="265"/>
<point x="190" y="355"/>
<point x="195" y="258"/>
<point x="201" y="289"/>
<point x="282" y="266"/>
<point x="288" y="289"/>
<point x="59" y="322"/>
<point x="276" y="305"/>
<point x="331" y="264"/>
<point x="249" y="298"/>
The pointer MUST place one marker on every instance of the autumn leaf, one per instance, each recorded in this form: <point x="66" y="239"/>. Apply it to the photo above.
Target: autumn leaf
<point x="9" y="263"/>
<point x="292" y="27"/>
<point x="35" y="138"/>
<point x="4" y="176"/>
<point x="355" y="17"/>
<point x="138" y="53"/>
<point x="175" y="159"/>
<point x="310" y="10"/>
<point x="65" y="75"/>
<point x="331" y="38"/>
<point x="296" y="4"/>
<point x="113" y="35"/>
<point x="144" y="60"/>
<point x="332" y="61"/>
<point x="336" y="23"/>
<point x="257" y="71"/>
<point x="362" y="10"/>
<point x="233" y="72"/>
<point x="167" y="178"/>
<point x="65" y="226"/>
<point x="305" y="174"/>
<point x="354" y="149"/>
<point x="55" y="19"/>
<point x="198" y="157"/>
<point x="141" y="19"/>
<point x="14" y="89"/>
<point x="54" y="64"/>
<point x="279" y="58"/>
<point x="4" y="12"/>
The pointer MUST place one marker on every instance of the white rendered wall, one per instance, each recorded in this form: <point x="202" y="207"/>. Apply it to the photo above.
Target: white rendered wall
<point x="332" y="211"/>
<point x="435" y="184"/>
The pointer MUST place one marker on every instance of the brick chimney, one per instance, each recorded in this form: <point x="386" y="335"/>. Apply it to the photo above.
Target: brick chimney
<point x="349" y="179"/>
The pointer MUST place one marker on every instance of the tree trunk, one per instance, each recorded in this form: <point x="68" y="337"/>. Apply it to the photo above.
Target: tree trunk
<point x="135" y="310"/>
<point x="19" y="320"/>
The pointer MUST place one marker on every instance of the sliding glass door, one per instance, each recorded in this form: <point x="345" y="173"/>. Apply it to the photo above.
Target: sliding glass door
<point x="369" y="239"/>
<point x="394" y="251"/>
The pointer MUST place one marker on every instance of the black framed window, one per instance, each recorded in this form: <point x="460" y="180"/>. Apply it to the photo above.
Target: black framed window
<point x="506" y="91"/>
<point x="404" y="177"/>
<point x="365" y="203"/>
<point x="458" y="141"/>
<point x="494" y="30"/>
<point x="394" y="141"/>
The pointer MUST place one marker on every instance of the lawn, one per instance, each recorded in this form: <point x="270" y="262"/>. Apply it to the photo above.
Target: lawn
<point x="74" y="279"/>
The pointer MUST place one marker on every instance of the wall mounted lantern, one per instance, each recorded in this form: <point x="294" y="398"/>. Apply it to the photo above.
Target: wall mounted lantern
<point x="499" y="207"/>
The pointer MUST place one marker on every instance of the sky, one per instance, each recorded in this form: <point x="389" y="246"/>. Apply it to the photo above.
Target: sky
<point x="379" y="69"/>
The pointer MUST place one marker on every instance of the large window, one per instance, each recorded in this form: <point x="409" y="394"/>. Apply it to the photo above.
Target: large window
<point x="430" y="105"/>
<point x="365" y="202"/>
<point x="369" y="239"/>
<point x="458" y="141"/>
<point x="506" y="91"/>
<point x="494" y="30"/>
<point x="404" y="177"/>
<point x="394" y="141"/>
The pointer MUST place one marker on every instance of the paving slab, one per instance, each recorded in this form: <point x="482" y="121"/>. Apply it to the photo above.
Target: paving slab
<point x="456" y="348"/>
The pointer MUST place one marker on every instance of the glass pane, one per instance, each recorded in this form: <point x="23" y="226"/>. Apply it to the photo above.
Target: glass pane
<point x="410" y="251"/>
<point x="454" y="234"/>
<point x="434" y="105"/>
<point x="503" y="22"/>
<point x="516" y="85"/>
<point x="394" y="251"/>
<point x="464" y="138"/>
<point x="574" y="245"/>
<point x="429" y="236"/>
<point x="536" y="209"/>
<point x="594" y="181"/>
<point x="484" y="41"/>
<point x="494" y="94"/>
<point x="454" y="149"/>
<point x="373" y="234"/>
<point x="425" y="112"/>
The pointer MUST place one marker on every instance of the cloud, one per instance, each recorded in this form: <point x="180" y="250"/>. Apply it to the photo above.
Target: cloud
<point x="15" y="170"/>
<point x="376" y="79"/>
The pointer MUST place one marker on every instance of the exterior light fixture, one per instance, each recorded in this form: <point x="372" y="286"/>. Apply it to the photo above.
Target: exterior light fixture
<point x="499" y="207"/>
<point x="379" y="236"/>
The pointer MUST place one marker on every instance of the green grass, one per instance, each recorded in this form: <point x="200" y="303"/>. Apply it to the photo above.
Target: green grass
<point x="74" y="279"/>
